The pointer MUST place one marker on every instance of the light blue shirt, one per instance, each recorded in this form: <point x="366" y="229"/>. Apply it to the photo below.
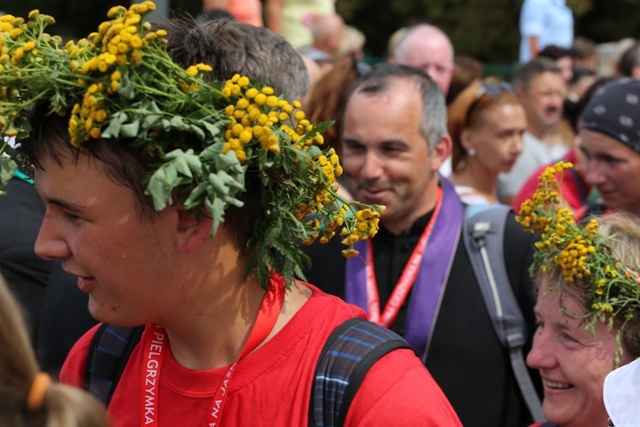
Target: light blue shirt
<point x="550" y="20"/>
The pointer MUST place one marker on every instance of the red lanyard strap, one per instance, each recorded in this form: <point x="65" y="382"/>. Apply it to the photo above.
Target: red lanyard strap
<point x="406" y="280"/>
<point x="155" y="346"/>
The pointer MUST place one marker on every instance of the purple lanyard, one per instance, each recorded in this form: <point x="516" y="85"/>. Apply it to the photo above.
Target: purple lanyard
<point x="432" y="276"/>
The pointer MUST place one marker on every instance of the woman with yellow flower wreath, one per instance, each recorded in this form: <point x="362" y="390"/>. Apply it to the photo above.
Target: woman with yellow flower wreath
<point x="588" y="304"/>
<point x="179" y="204"/>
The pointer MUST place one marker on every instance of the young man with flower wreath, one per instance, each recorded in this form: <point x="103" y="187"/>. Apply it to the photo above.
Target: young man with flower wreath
<point x="415" y="276"/>
<point x="166" y="196"/>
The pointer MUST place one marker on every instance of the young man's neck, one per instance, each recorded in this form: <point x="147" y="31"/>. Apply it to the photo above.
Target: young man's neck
<point x="214" y="321"/>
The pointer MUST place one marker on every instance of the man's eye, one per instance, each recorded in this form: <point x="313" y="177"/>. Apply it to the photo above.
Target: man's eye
<point x="70" y="217"/>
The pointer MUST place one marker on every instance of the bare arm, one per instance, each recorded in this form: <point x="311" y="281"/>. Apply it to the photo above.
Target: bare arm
<point x="272" y="15"/>
<point x="208" y="5"/>
<point x="533" y="46"/>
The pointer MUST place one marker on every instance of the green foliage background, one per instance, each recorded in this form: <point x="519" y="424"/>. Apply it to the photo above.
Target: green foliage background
<point x="486" y="29"/>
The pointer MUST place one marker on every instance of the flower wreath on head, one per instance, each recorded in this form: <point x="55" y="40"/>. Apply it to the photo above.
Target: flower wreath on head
<point x="121" y="84"/>
<point x="611" y="289"/>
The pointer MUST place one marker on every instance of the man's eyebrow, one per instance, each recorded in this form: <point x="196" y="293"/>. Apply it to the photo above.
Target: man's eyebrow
<point x="74" y="207"/>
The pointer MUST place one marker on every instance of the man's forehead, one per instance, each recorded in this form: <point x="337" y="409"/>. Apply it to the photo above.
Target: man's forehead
<point x="429" y="44"/>
<point x="395" y="89"/>
<point x="546" y="79"/>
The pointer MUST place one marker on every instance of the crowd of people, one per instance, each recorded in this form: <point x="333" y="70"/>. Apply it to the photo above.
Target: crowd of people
<point x="181" y="220"/>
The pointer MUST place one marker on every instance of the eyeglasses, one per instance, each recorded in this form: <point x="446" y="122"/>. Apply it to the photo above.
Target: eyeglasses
<point x="492" y="90"/>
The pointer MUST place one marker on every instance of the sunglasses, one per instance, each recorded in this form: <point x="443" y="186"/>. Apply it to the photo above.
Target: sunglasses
<point x="492" y="90"/>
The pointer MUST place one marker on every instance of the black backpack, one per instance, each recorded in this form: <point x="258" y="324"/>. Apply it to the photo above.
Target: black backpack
<point x="348" y="354"/>
<point x="483" y="236"/>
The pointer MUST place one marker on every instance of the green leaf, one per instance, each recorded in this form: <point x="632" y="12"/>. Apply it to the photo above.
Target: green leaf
<point x="218" y="184"/>
<point x="179" y="160"/>
<point x="156" y="189"/>
<point x="236" y="183"/>
<point x="7" y="168"/>
<point x="193" y="199"/>
<point x="216" y="208"/>
<point x="127" y="86"/>
<point x="130" y="130"/>
<point x="178" y="123"/>
<point x="197" y="130"/>
<point x="115" y="125"/>
<point x="225" y="161"/>
<point x="150" y="120"/>
<point x="214" y="128"/>
<point x="319" y="128"/>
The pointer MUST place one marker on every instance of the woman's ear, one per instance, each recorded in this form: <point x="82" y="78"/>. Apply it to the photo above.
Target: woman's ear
<point x="466" y="139"/>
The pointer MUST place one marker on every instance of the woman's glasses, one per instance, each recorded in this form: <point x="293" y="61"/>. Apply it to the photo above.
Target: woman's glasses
<point x="492" y="90"/>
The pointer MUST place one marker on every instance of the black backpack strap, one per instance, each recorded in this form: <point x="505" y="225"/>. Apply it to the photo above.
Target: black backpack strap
<point x="484" y="240"/>
<point x="348" y="354"/>
<point x="108" y="354"/>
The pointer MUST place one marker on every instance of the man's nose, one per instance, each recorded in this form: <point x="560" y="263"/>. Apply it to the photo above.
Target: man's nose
<point x="50" y="245"/>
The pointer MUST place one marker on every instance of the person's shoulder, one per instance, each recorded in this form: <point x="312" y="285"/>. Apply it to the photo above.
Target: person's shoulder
<point x="338" y="308"/>
<point x="473" y="196"/>
<point x="398" y="390"/>
<point x="72" y="371"/>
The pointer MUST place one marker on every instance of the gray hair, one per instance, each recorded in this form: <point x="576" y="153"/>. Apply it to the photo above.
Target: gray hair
<point x="433" y="124"/>
<point x="421" y="31"/>
<point x="629" y="59"/>
<point x="524" y="73"/>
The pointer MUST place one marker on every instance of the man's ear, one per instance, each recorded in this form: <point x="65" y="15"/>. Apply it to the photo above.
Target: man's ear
<point x="635" y="72"/>
<point x="191" y="230"/>
<point x="441" y="152"/>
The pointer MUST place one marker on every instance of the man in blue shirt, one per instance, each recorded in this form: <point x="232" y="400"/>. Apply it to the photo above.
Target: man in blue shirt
<point x="543" y="23"/>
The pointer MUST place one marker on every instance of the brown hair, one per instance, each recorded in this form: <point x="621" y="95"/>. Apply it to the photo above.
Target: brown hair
<point x="466" y="111"/>
<point x="327" y="99"/>
<point x="466" y="71"/>
<point x="229" y="47"/>
<point x="62" y="406"/>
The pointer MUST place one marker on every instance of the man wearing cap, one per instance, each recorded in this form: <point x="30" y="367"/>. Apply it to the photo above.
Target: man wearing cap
<point x="610" y="141"/>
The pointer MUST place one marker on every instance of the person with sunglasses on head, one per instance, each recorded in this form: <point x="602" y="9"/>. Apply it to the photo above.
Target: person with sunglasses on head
<point x="486" y="124"/>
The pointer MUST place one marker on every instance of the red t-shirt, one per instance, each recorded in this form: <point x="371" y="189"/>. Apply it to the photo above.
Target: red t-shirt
<point x="272" y="385"/>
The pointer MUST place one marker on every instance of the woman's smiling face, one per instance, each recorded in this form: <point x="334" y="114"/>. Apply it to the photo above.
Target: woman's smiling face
<point x="572" y="361"/>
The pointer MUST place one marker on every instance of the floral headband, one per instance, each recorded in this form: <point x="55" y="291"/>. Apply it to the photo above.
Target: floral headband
<point x="121" y="84"/>
<point x="584" y="256"/>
